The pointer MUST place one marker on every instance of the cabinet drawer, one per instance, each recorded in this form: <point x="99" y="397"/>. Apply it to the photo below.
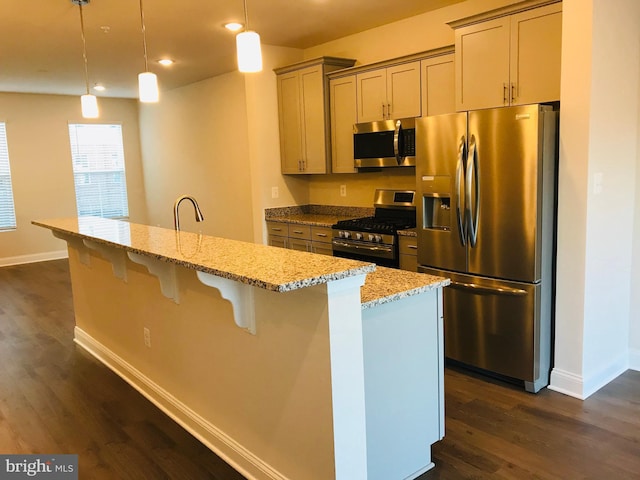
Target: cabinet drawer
<point x="277" y="229"/>
<point x="321" y="234"/>
<point x="408" y="245"/>
<point x="299" y="231"/>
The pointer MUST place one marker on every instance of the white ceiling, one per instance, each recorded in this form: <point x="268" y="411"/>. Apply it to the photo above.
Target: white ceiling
<point x="41" y="46"/>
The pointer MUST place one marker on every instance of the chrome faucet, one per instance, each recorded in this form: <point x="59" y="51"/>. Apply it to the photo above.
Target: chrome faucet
<point x="176" y="206"/>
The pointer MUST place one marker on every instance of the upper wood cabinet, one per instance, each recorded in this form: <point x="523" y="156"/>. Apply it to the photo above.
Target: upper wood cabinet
<point x="303" y="109"/>
<point x="438" y="85"/>
<point x="509" y="56"/>
<point x="342" y="94"/>
<point x="387" y="93"/>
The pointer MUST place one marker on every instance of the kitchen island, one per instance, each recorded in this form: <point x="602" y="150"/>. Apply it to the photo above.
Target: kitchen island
<point x="289" y="365"/>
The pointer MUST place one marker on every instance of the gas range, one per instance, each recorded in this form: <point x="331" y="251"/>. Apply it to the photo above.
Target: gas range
<point x="375" y="239"/>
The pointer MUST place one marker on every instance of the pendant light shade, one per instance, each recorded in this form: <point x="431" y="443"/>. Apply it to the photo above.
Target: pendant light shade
<point x="249" y="52"/>
<point x="148" y="91"/>
<point x="248" y="48"/>
<point x="88" y="102"/>
<point x="89" y="105"/>
<point x="148" y="87"/>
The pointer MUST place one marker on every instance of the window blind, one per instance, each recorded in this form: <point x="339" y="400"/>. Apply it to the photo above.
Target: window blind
<point x="97" y="154"/>
<point x="7" y="208"/>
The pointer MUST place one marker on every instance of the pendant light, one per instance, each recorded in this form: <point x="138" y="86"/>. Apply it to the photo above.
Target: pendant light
<point x="147" y="81"/>
<point x="88" y="102"/>
<point x="248" y="47"/>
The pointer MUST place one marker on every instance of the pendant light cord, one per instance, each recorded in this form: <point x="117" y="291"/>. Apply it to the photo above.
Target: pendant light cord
<point x="246" y="17"/>
<point x="144" y="38"/>
<point x="84" y="50"/>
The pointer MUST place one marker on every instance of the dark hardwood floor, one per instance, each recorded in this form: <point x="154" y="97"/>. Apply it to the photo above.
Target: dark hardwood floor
<point x="55" y="398"/>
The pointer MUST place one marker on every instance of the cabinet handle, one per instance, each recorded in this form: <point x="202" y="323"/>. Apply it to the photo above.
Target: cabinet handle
<point x="384" y="115"/>
<point x="412" y="247"/>
<point x="389" y="111"/>
<point x="504" y="93"/>
<point x="324" y="235"/>
<point x="276" y="229"/>
<point x="513" y="92"/>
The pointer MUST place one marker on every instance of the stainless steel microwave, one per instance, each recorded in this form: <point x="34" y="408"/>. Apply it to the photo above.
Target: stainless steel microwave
<point x="387" y="143"/>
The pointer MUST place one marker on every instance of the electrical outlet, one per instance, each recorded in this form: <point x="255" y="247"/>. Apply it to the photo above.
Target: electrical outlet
<point x="343" y="190"/>
<point x="274" y="192"/>
<point x="147" y="337"/>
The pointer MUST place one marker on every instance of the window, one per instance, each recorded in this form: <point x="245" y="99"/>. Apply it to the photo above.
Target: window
<point x="98" y="170"/>
<point x="7" y="209"/>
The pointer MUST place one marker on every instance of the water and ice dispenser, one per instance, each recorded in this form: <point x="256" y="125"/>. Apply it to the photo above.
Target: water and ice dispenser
<point x="436" y="202"/>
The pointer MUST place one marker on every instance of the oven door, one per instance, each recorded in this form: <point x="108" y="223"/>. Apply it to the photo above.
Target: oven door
<point x="380" y="253"/>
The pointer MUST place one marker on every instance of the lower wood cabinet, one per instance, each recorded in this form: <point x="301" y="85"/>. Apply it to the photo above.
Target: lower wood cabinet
<point x="321" y="240"/>
<point x="408" y="247"/>
<point x="295" y="236"/>
<point x="278" y="234"/>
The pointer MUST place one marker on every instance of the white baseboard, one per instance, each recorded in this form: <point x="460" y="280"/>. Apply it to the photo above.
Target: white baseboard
<point x="583" y="387"/>
<point x="33" y="258"/>
<point x="213" y="438"/>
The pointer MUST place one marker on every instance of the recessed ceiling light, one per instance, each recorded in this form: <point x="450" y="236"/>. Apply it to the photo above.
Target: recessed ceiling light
<point x="99" y="88"/>
<point x="233" y="26"/>
<point x="166" y="62"/>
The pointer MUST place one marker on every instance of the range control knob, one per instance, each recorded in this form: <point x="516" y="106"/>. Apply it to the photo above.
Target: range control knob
<point x="347" y="234"/>
<point x="378" y="238"/>
<point x="359" y="236"/>
<point x="371" y="237"/>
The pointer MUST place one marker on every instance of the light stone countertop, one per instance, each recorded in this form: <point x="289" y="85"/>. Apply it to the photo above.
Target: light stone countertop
<point x="263" y="266"/>
<point x="313" y="219"/>
<point x="386" y="285"/>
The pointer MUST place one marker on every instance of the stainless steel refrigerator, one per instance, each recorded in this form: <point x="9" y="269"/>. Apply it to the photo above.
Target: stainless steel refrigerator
<point x="486" y="183"/>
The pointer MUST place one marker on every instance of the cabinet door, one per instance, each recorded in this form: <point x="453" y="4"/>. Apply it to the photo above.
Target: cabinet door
<point x="372" y="95"/>
<point x="297" y="244"/>
<point x="438" y="85"/>
<point x="290" y="122"/>
<point x="482" y="65"/>
<point x="403" y="90"/>
<point x="536" y="41"/>
<point x="344" y="113"/>
<point x="314" y="144"/>
<point x="322" y="248"/>
<point x="276" y="241"/>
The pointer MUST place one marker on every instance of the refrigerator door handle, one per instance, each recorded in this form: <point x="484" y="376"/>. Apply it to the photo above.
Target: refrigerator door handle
<point x="518" y="292"/>
<point x="472" y="177"/>
<point x="462" y="232"/>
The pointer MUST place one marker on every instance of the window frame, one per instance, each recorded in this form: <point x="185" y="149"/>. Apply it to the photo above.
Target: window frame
<point x="103" y="163"/>
<point x="8" y="211"/>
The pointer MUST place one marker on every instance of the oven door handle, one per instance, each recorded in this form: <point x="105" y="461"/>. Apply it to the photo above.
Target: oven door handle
<point x="366" y="248"/>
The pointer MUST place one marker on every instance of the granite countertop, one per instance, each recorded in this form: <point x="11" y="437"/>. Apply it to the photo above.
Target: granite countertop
<point x="315" y="215"/>
<point x="313" y="219"/>
<point x="259" y="265"/>
<point x="271" y="268"/>
<point x="386" y="285"/>
<point x="408" y="232"/>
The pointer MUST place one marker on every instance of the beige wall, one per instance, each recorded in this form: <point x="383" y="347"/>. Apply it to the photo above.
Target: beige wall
<point x="598" y="137"/>
<point x="42" y="176"/>
<point x="218" y="141"/>
<point x="194" y="142"/>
